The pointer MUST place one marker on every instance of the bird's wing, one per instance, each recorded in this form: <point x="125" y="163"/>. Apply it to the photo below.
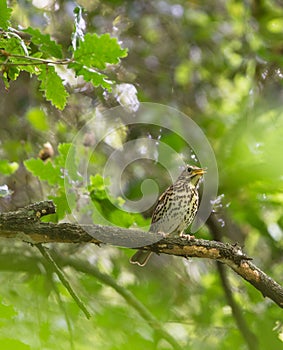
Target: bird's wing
<point x="162" y="205"/>
<point x="168" y="214"/>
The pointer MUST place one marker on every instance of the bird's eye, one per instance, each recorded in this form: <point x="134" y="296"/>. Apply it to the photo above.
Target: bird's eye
<point x="189" y="169"/>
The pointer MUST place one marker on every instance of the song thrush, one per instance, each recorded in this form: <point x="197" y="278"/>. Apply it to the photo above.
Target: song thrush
<point x="175" y="209"/>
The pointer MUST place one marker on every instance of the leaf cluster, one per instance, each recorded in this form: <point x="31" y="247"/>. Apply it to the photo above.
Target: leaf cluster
<point x="220" y="63"/>
<point x="38" y="54"/>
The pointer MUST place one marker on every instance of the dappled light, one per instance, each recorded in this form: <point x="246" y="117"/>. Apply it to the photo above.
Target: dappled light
<point x="103" y="104"/>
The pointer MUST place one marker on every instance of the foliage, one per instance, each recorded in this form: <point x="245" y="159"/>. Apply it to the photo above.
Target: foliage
<point x="7" y="168"/>
<point x="220" y="63"/>
<point x="53" y="172"/>
<point x="5" y="14"/>
<point x="36" y="56"/>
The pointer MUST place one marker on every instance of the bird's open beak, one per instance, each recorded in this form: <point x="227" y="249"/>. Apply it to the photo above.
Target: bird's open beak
<point x="199" y="171"/>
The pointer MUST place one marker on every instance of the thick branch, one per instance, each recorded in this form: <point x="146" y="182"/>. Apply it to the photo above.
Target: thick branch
<point x="25" y="224"/>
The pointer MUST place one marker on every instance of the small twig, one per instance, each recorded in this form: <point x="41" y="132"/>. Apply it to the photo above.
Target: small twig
<point x="67" y="318"/>
<point x="85" y="267"/>
<point x="27" y="64"/>
<point x="25" y="224"/>
<point x="33" y="60"/>
<point x="63" y="279"/>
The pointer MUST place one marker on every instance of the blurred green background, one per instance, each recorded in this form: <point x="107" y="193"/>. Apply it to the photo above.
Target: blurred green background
<point x="219" y="62"/>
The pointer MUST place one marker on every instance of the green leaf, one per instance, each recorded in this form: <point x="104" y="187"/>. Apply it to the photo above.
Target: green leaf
<point x="9" y="344"/>
<point x="65" y="150"/>
<point x="121" y="218"/>
<point x="62" y="204"/>
<point x="67" y="159"/>
<point x="7" y="311"/>
<point x="89" y="74"/>
<point x="97" y="187"/>
<point x="96" y="51"/>
<point x="32" y="69"/>
<point x="5" y="14"/>
<point x="7" y="168"/>
<point x="108" y="206"/>
<point x="48" y="46"/>
<point x="6" y="80"/>
<point x="53" y="87"/>
<point x="12" y="73"/>
<point x="38" y="119"/>
<point x="45" y="171"/>
<point x="13" y="46"/>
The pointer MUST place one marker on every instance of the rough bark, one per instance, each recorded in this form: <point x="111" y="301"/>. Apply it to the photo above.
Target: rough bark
<point x="25" y="224"/>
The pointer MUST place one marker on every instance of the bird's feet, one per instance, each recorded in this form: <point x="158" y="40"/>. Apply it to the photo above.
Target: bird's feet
<point x="163" y="234"/>
<point x="187" y="237"/>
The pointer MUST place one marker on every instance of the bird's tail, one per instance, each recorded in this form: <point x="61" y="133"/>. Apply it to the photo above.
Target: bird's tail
<point x="140" y="257"/>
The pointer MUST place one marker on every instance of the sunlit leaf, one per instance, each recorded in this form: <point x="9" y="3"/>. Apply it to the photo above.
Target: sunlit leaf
<point x="46" y="45"/>
<point x="5" y="14"/>
<point x="67" y="159"/>
<point x="45" y="171"/>
<point x="89" y="74"/>
<point x="38" y="119"/>
<point x="63" y="204"/>
<point x="53" y="88"/>
<point x="8" y="343"/>
<point x="8" y="168"/>
<point x="96" y="51"/>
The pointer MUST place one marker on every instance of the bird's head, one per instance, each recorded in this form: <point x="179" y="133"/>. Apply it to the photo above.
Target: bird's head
<point x="192" y="173"/>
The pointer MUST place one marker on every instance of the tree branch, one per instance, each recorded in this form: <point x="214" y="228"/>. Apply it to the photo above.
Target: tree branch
<point x="63" y="279"/>
<point x="26" y="225"/>
<point x="32" y="264"/>
<point x="31" y="60"/>
<point x="85" y="267"/>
